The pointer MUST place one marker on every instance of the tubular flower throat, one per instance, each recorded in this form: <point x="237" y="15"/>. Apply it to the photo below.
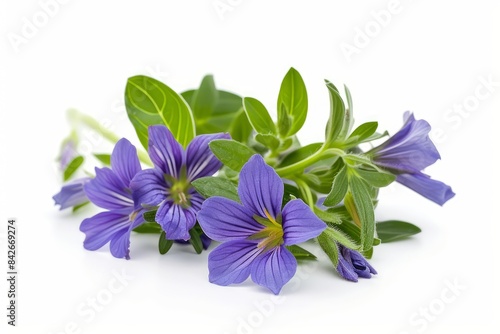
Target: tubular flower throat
<point x="407" y="153"/>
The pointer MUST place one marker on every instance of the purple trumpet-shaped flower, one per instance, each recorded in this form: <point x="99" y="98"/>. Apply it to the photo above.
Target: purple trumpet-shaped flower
<point x="72" y="194"/>
<point x="353" y="265"/>
<point x="408" y="152"/>
<point x="110" y="189"/>
<point x="254" y="233"/>
<point x="168" y="184"/>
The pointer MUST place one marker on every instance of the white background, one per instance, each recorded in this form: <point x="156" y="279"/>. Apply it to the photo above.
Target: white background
<point x="429" y="57"/>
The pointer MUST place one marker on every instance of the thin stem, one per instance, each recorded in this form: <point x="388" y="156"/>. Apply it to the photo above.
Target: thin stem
<point x="322" y="153"/>
<point x="306" y="192"/>
<point x="75" y="115"/>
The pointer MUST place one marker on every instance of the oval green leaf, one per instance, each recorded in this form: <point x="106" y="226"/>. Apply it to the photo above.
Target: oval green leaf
<point x="73" y="167"/>
<point x="231" y="153"/>
<point x="300" y="253"/>
<point x="337" y="114"/>
<point x="149" y="102"/>
<point x="292" y="104"/>
<point x="164" y="244"/>
<point x="258" y="116"/>
<point x="204" y="98"/>
<point x="339" y="189"/>
<point x="393" y="230"/>
<point x="216" y="186"/>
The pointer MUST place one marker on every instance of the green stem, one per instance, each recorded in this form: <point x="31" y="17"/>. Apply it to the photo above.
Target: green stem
<point x="75" y="115"/>
<point x="306" y="191"/>
<point x="297" y="167"/>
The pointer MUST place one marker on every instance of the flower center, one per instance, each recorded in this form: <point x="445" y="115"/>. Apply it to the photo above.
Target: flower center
<point x="179" y="192"/>
<point x="271" y="234"/>
<point x="178" y="189"/>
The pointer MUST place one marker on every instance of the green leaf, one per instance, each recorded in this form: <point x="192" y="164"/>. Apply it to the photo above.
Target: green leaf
<point x="342" y="238"/>
<point x="148" y="228"/>
<point x="349" y="120"/>
<point x="300" y="154"/>
<point x="330" y="248"/>
<point x="337" y="114"/>
<point x="392" y="230"/>
<point x="292" y="104"/>
<point x="362" y="211"/>
<point x="284" y="121"/>
<point x="368" y="253"/>
<point x="227" y="115"/>
<point x="376" y="136"/>
<point x="104" y="158"/>
<point x="287" y="143"/>
<point x="164" y="244"/>
<point x="351" y="230"/>
<point x="300" y="253"/>
<point x="324" y="173"/>
<point x="269" y="141"/>
<point x="355" y="160"/>
<point x="204" y="98"/>
<point x="376" y="178"/>
<point x="348" y="117"/>
<point x="258" y="116"/>
<point x="149" y="101"/>
<point x="329" y="217"/>
<point x="363" y="131"/>
<point x="231" y="153"/>
<point x="339" y="188"/>
<point x="195" y="240"/>
<point x="79" y="206"/>
<point x="72" y="167"/>
<point x="241" y="129"/>
<point x="228" y="173"/>
<point x="315" y="182"/>
<point x="215" y="186"/>
<point x="228" y="103"/>
<point x="150" y="216"/>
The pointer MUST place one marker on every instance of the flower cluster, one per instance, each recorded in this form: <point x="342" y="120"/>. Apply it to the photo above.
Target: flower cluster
<point x="245" y="182"/>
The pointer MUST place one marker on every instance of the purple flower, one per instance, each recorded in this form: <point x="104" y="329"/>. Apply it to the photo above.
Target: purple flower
<point x="168" y="184"/>
<point x="353" y="265"/>
<point x="110" y="189"/>
<point x="72" y="194"/>
<point x="255" y="233"/>
<point x="408" y="152"/>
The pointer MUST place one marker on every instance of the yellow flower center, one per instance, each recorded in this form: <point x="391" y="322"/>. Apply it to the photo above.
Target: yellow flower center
<point x="271" y="234"/>
<point x="179" y="189"/>
<point x="179" y="193"/>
